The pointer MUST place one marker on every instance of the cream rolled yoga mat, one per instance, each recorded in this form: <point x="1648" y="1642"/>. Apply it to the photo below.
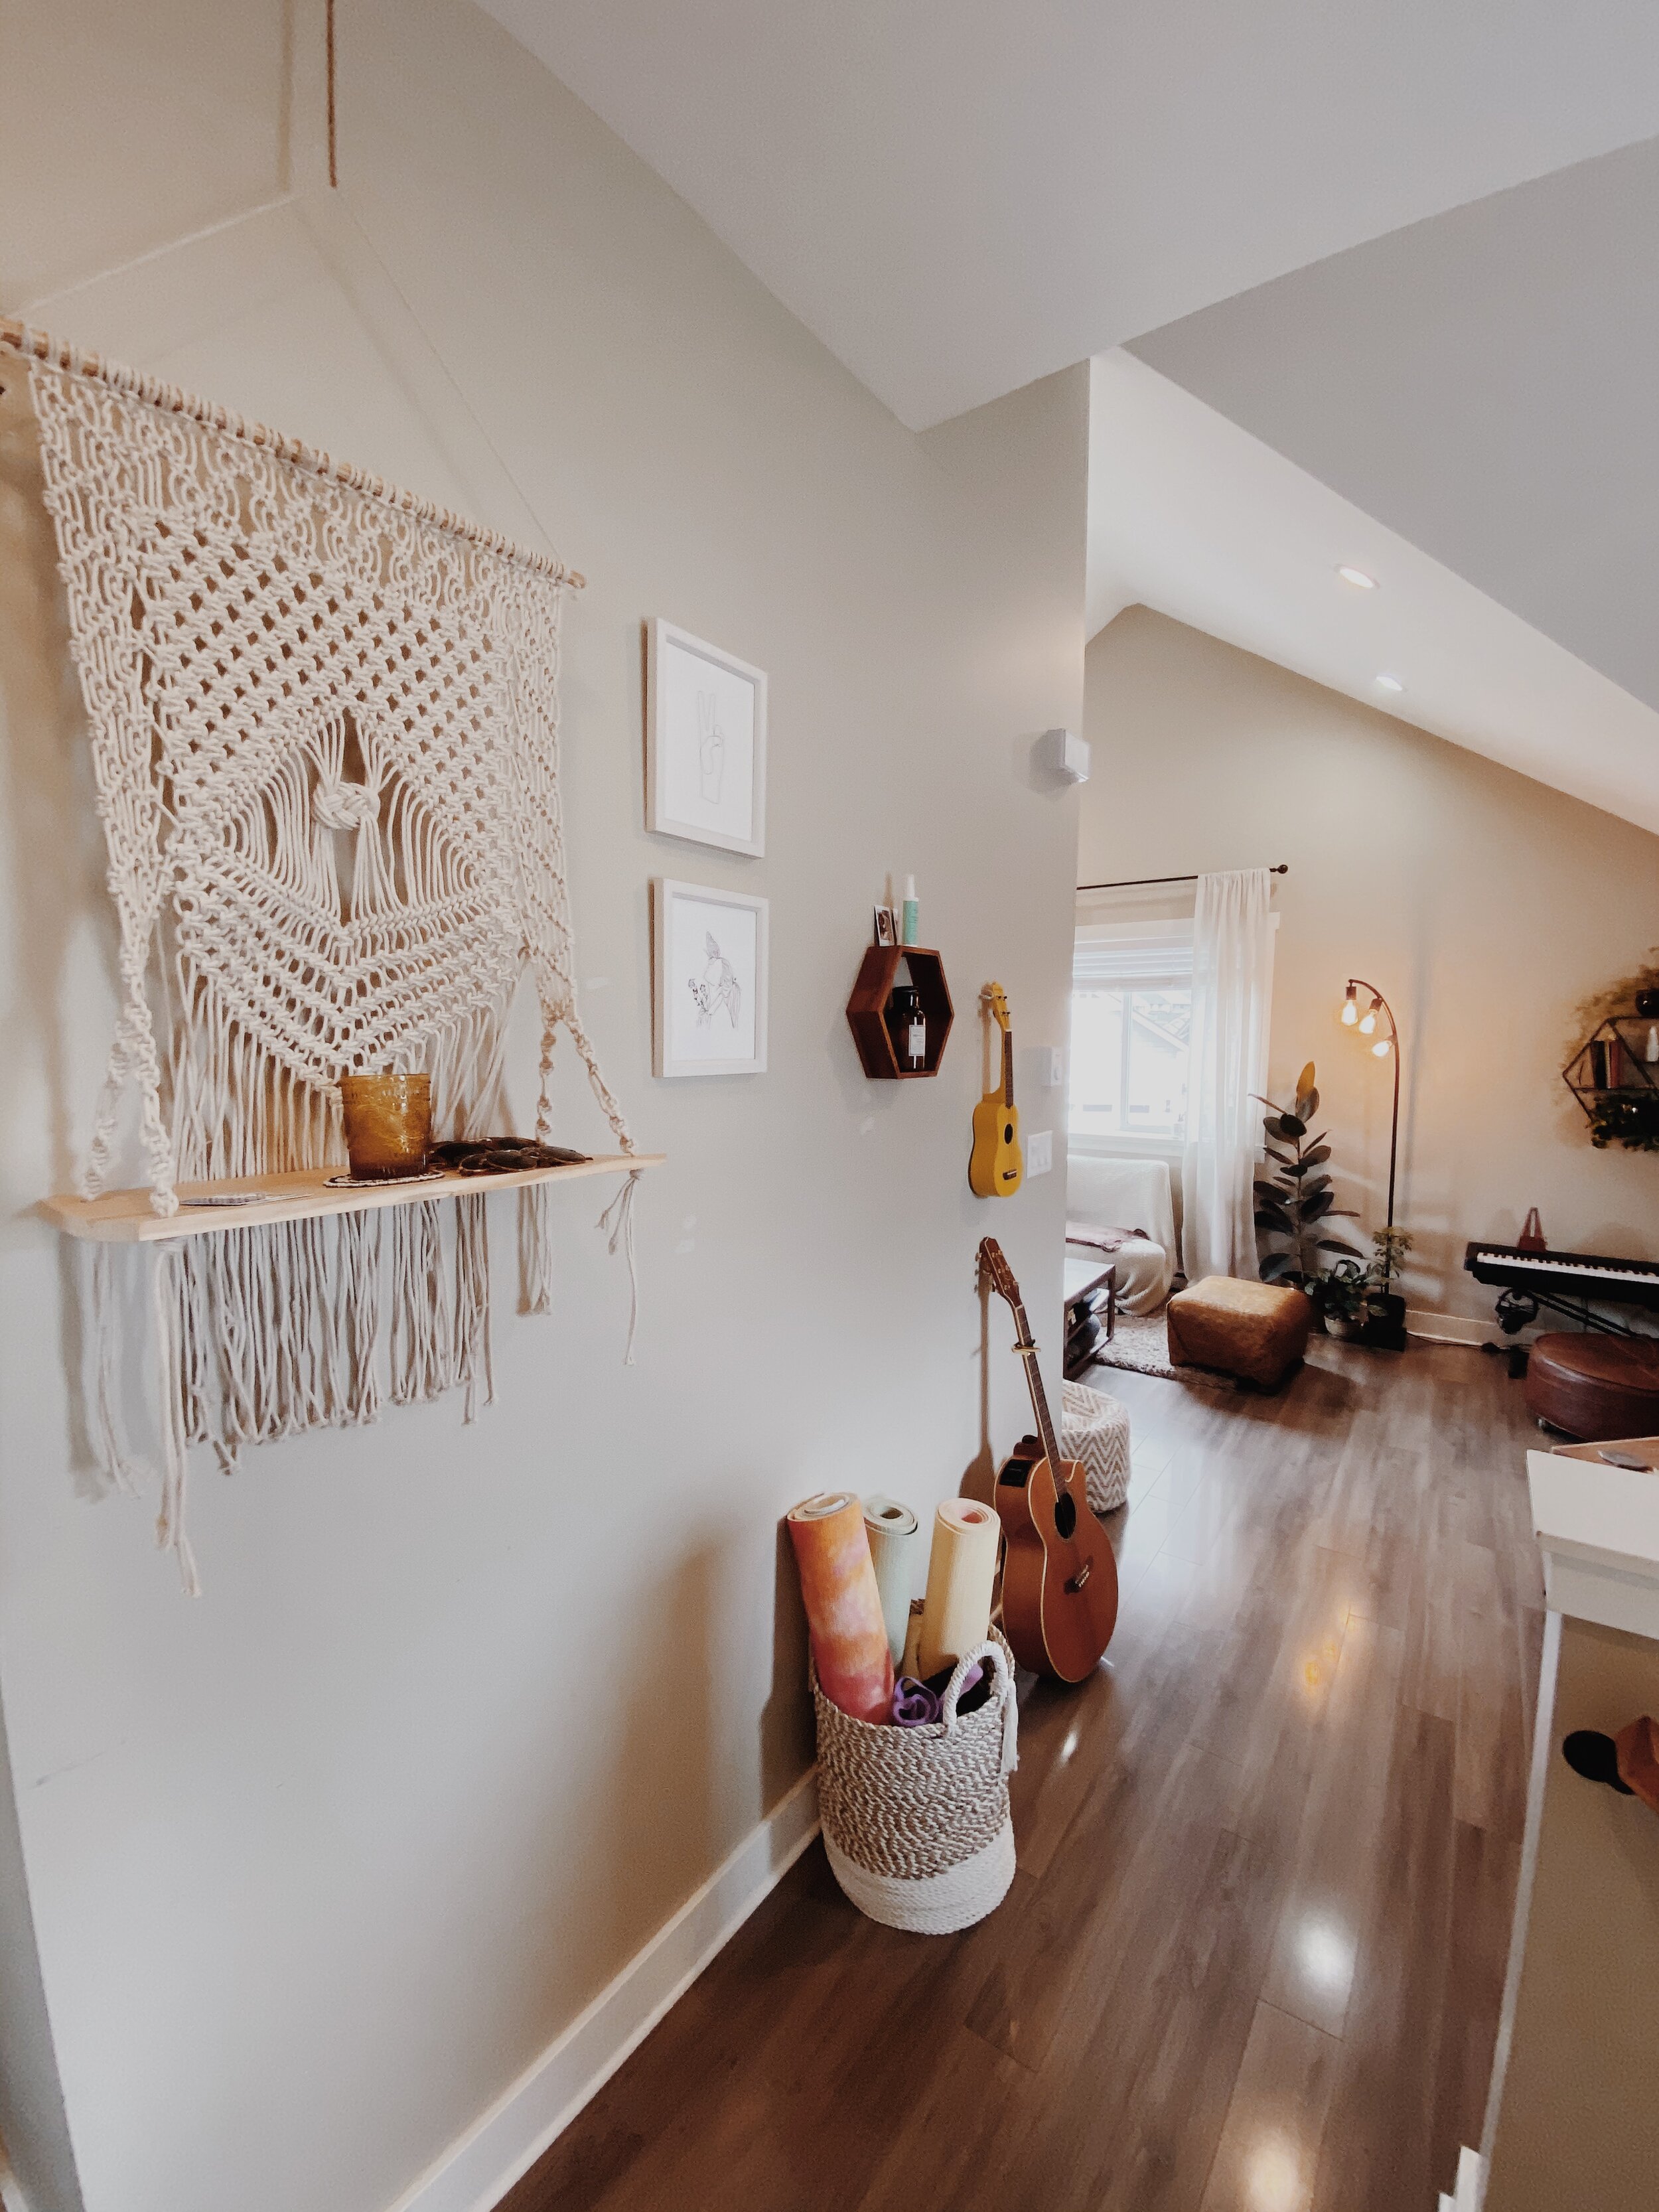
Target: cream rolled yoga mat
<point x="895" y="1536"/>
<point x="961" y="1570"/>
<point x="843" y="1605"/>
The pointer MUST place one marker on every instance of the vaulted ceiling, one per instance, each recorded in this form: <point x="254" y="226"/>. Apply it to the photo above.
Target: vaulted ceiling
<point x="1487" y="384"/>
<point x="959" y="195"/>
<point x="1396" y="268"/>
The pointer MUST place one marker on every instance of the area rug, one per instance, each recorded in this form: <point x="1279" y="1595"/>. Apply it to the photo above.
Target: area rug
<point x="1142" y="1343"/>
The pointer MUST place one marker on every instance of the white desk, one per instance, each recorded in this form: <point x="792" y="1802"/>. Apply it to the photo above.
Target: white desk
<point x="1598" y="1529"/>
<point x="1572" y="2119"/>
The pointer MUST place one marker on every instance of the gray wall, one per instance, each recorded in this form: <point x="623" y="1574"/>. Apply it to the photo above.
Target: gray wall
<point x="318" y="1865"/>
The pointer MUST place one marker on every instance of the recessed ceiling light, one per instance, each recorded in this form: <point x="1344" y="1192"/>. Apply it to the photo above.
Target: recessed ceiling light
<point x="1357" y="578"/>
<point x="1389" y="684"/>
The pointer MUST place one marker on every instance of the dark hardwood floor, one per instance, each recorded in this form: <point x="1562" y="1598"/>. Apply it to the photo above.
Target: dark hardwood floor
<point x="1253" y="1955"/>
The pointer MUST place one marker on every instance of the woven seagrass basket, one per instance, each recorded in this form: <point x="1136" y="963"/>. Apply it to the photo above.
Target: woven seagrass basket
<point x="915" y="1820"/>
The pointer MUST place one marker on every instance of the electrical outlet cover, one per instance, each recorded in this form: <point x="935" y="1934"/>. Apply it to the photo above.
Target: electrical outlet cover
<point x="1039" y="1151"/>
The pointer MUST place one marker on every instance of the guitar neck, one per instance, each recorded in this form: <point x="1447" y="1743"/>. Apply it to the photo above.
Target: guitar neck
<point x="1007" y="1067"/>
<point x="1028" y="1351"/>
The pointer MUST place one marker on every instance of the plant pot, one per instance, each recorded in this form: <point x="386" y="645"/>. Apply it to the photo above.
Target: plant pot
<point x="1344" y="1326"/>
<point x="1384" y="1327"/>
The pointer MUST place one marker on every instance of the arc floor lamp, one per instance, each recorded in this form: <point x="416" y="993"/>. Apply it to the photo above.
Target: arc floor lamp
<point x="1386" y="1046"/>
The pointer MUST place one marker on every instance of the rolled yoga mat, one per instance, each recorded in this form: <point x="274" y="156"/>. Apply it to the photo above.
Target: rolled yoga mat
<point x="912" y="1659"/>
<point x="843" y="1605"/>
<point x="895" y="1537"/>
<point x="961" y="1570"/>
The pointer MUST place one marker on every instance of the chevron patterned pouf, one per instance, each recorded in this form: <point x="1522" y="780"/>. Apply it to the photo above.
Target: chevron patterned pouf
<point x="1095" y="1429"/>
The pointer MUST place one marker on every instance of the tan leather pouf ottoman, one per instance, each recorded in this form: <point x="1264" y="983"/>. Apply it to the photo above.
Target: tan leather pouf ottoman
<point x="1256" y="1331"/>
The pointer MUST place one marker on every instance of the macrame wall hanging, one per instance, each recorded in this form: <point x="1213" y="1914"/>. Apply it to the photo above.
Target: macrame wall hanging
<point x="323" y="722"/>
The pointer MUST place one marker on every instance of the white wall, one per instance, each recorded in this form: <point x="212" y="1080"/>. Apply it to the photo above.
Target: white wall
<point x="1484" y="905"/>
<point x="318" y="1864"/>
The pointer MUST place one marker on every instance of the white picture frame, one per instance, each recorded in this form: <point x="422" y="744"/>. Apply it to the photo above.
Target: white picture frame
<point x="705" y="743"/>
<point x="708" y="980"/>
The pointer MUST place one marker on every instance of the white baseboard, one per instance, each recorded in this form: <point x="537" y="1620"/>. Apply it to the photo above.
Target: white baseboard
<point x="1449" y="1329"/>
<point x="478" y="2169"/>
<point x="1471" y="2182"/>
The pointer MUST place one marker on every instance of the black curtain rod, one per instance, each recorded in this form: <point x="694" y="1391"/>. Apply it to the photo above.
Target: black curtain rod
<point x="1140" y="882"/>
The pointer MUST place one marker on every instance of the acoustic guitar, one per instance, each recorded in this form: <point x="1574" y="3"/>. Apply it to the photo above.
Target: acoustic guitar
<point x="996" y="1167"/>
<point x="1059" y="1573"/>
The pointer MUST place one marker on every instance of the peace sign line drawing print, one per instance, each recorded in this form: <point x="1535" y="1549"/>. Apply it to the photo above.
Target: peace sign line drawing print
<point x="705" y="743"/>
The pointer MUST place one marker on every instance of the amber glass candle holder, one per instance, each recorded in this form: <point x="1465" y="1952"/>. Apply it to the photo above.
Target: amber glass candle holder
<point x="388" y="1125"/>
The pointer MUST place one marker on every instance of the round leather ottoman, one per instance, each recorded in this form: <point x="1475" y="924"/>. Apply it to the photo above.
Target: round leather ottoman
<point x="1595" y="1386"/>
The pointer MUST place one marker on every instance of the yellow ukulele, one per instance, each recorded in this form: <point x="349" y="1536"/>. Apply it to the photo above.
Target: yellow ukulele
<point x="995" y="1167"/>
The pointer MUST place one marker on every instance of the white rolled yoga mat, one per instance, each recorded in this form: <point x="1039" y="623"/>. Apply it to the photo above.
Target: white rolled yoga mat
<point x="895" y="1536"/>
<point x="962" y="1569"/>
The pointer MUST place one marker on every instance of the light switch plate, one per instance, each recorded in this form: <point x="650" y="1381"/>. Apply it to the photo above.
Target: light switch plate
<point x="1041" y="1067"/>
<point x="1039" y="1151"/>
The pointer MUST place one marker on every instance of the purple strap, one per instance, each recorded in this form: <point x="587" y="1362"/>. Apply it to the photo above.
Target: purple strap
<point x="918" y="1704"/>
<point x="914" y="1706"/>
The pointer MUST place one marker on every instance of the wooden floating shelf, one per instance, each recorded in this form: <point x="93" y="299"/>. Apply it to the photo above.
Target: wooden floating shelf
<point x="123" y="1217"/>
<point x="866" y="1010"/>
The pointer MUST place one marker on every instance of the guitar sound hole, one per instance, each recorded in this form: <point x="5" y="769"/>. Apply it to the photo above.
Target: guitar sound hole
<point x="1065" y="1513"/>
<point x="1008" y="1134"/>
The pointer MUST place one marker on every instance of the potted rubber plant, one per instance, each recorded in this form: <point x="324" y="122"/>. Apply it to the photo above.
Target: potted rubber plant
<point x="1296" y="1207"/>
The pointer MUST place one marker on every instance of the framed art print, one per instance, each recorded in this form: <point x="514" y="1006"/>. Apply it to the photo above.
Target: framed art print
<point x="708" y="981"/>
<point x="705" y="743"/>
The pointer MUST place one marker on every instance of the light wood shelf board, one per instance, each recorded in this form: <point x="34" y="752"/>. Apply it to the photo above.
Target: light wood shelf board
<point x="123" y="1217"/>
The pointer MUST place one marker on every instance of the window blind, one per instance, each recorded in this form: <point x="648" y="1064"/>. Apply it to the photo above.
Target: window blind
<point x="1114" y="956"/>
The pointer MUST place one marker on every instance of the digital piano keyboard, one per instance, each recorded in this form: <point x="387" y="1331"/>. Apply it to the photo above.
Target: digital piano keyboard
<point x="1572" y="1283"/>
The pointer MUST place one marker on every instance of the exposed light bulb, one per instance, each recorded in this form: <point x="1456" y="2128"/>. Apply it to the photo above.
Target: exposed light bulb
<point x="1368" y="1022"/>
<point x="1357" y="577"/>
<point x="1389" y="684"/>
<point x="1350" y="1012"/>
<point x="1381" y="1048"/>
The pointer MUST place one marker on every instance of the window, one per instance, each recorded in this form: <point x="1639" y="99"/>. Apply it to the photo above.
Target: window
<point x="1132" y="1013"/>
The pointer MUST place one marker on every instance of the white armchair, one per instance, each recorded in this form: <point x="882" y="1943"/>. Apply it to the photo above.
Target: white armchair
<point x="1129" y="1194"/>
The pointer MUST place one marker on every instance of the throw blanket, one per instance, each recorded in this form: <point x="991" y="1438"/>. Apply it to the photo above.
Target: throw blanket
<point x="1102" y="1240"/>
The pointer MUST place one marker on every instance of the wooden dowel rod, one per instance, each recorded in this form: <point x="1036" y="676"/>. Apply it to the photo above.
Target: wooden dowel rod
<point x="37" y="345"/>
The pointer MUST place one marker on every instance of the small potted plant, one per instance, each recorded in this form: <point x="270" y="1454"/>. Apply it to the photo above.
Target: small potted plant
<point x="1385" y="1317"/>
<point x="1344" y="1294"/>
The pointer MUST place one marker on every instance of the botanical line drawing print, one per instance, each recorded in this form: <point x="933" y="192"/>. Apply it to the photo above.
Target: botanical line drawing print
<point x="717" y="987"/>
<point x="711" y="747"/>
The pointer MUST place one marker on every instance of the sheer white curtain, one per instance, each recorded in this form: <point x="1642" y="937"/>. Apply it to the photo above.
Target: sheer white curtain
<point x="1232" y="1000"/>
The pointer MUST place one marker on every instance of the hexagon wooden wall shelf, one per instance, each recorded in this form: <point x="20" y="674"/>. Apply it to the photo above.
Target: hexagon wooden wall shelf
<point x="866" y="1009"/>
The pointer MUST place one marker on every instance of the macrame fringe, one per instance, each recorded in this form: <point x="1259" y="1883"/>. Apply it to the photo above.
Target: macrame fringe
<point x="535" y="1250"/>
<point x="171" y="1533"/>
<point x="618" y="1218"/>
<point x="474" y="1364"/>
<point x="104" y="1310"/>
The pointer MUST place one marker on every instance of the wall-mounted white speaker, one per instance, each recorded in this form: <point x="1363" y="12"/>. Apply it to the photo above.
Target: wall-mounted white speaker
<point x="1066" y="755"/>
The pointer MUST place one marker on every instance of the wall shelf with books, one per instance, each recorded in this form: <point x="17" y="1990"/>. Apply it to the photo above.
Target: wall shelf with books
<point x="1614" y="1076"/>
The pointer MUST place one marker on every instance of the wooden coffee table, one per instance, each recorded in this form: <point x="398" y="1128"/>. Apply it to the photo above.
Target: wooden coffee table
<point x="1091" y="1282"/>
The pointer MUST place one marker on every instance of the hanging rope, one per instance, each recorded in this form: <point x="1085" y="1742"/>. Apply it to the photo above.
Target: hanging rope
<point x="334" y="163"/>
